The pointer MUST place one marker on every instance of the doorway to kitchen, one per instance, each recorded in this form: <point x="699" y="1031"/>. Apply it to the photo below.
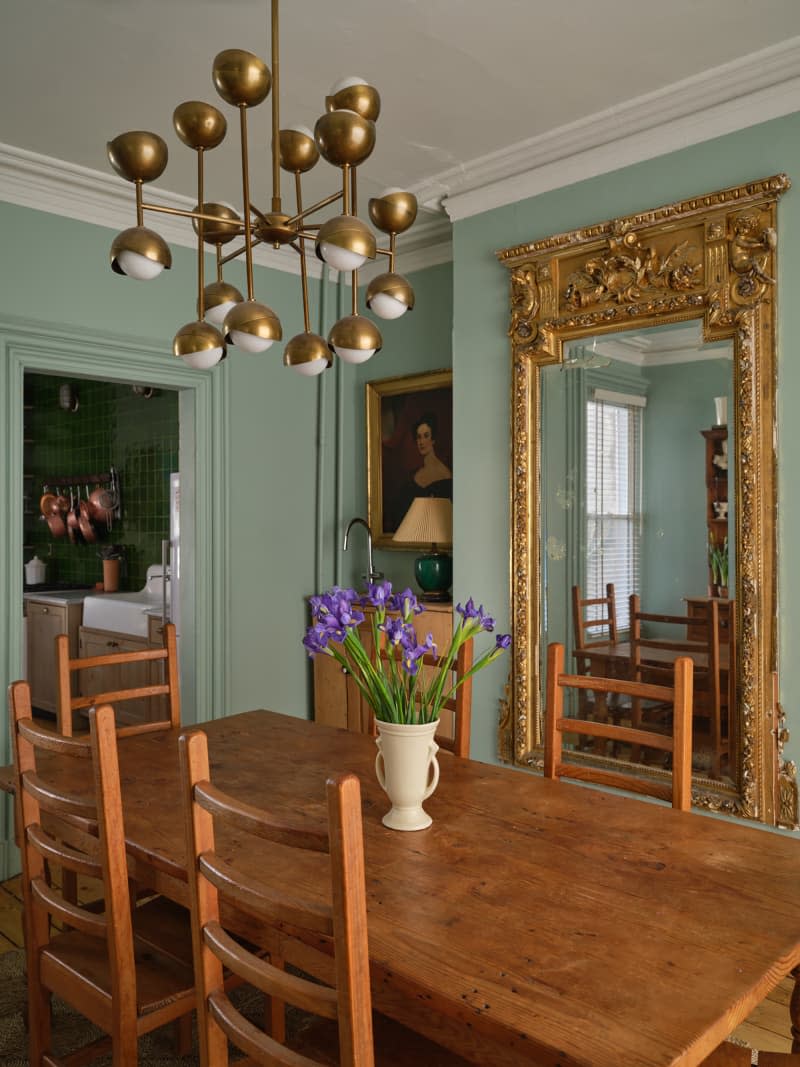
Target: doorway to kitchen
<point x="202" y="398"/>
<point x="100" y="459"/>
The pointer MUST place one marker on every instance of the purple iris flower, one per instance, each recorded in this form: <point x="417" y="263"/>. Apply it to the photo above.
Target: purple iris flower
<point x="503" y="641"/>
<point x="316" y="639"/>
<point x="406" y="603"/>
<point x="411" y="658"/>
<point x="394" y="629"/>
<point x="469" y="612"/>
<point x="377" y="594"/>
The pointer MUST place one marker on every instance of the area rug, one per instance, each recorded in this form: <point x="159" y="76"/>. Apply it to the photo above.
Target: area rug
<point x="71" y="1030"/>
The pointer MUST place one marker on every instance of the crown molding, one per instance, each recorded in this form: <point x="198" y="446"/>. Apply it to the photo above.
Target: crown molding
<point x="60" y="188"/>
<point x="751" y="90"/>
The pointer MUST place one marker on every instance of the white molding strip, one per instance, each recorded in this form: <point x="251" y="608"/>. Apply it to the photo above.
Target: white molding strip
<point x="748" y="91"/>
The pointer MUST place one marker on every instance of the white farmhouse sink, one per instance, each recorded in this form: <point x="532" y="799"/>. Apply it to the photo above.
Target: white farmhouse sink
<point x="126" y="613"/>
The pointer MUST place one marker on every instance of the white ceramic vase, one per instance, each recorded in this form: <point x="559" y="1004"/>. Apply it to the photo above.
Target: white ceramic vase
<point x="408" y="771"/>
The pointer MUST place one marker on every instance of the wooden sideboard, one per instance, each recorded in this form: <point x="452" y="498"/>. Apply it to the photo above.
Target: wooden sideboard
<point x="696" y="609"/>
<point x="337" y="699"/>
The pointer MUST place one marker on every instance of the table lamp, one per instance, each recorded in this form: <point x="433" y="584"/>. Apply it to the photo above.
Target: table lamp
<point x="429" y="521"/>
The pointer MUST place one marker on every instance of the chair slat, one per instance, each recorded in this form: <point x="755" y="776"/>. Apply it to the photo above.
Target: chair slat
<point x="253" y="820"/>
<point x="257" y="1045"/>
<point x="71" y="914"/>
<point x="50" y="799"/>
<point x="62" y="854"/>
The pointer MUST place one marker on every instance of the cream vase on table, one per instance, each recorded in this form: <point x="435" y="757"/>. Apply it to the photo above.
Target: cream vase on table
<point x="407" y="771"/>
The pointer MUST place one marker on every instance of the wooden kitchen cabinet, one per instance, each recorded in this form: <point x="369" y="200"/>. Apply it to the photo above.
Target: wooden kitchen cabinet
<point x="124" y="676"/>
<point x="46" y="621"/>
<point x="337" y="698"/>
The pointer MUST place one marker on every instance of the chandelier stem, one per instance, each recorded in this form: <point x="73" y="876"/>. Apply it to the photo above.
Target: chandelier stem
<point x="354" y="299"/>
<point x="302" y="249"/>
<point x="353" y="192"/>
<point x="276" y="118"/>
<point x="218" y="249"/>
<point x="346" y="189"/>
<point x="201" y="296"/>
<point x="392" y="246"/>
<point x="139" y="204"/>
<point x="248" y="246"/>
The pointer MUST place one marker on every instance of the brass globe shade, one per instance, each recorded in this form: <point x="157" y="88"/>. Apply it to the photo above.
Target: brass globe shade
<point x="251" y="326"/>
<point x="355" y="94"/>
<point x="308" y="354"/>
<point x="140" y="253"/>
<point x="344" y="138"/>
<point x="355" y="339"/>
<point x="138" y="156"/>
<point x="299" y="152"/>
<point x="199" y="125"/>
<point x="199" y="345"/>
<point x="240" y="77"/>
<point x="389" y="295"/>
<point x="218" y="299"/>
<point x="394" y="211"/>
<point x="345" y="242"/>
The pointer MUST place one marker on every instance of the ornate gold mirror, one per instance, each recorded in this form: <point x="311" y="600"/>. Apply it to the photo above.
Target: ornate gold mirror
<point x="644" y="458"/>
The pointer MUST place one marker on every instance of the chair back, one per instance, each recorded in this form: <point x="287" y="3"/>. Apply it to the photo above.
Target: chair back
<point x="215" y="880"/>
<point x="454" y="730"/>
<point x="678" y="744"/>
<point x="40" y="802"/>
<point x="651" y="661"/>
<point x="594" y="629"/>
<point x="169" y="687"/>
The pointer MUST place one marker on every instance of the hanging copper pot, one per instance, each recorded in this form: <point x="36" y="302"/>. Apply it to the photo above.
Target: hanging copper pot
<point x="73" y="524"/>
<point x="84" y="523"/>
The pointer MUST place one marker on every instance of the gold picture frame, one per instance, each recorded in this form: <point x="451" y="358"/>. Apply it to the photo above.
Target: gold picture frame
<point x="710" y="258"/>
<point x="400" y="465"/>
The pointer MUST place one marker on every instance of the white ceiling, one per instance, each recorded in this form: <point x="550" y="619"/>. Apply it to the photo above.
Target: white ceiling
<point x="473" y="94"/>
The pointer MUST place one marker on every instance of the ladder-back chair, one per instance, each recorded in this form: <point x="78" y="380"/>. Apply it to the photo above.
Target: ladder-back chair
<point x="678" y="745"/>
<point x="107" y="965"/>
<point x="344" y="1006"/>
<point x="584" y="626"/>
<point x="651" y="661"/>
<point x="169" y="688"/>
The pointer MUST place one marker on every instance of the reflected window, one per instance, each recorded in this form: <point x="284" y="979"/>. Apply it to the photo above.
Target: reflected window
<point x="614" y="423"/>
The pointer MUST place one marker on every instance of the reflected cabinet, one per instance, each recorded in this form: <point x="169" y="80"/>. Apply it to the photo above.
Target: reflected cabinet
<point x="643" y="459"/>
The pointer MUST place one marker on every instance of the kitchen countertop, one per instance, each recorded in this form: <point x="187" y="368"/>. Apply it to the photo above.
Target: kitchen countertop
<point x="58" y="596"/>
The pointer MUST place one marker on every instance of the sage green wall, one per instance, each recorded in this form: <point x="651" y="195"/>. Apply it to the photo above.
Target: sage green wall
<point x="680" y="403"/>
<point x="481" y="368"/>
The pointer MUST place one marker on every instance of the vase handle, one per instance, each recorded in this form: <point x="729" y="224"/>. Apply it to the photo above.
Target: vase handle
<point x="380" y="773"/>
<point x="434" y="766"/>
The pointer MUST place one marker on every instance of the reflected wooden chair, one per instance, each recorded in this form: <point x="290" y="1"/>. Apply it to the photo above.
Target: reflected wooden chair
<point x="651" y="661"/>
<point x="594" y="622"/>
<point x="128" y="968"/>
<point x="68" y="705"/>
<point x="677" y="745"/>
<point x="343" y="1002"/>
<point x="454" y="731"/>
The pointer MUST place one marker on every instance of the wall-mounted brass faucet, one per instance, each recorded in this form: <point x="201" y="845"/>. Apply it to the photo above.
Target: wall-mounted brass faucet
<point x="372" y="575"/>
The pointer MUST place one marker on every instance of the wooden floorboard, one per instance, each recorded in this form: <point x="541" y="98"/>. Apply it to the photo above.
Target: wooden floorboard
<point x="768" y="1027"/>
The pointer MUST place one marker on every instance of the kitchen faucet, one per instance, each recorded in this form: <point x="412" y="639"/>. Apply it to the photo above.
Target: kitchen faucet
<point x="372" y="575"/>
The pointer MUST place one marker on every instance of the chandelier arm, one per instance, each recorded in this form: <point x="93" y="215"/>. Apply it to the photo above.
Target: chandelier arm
<point x="354" y="299"/>
<point x="353" y="192"/>
<point x="298" y="194"/>
<point x="238" y="251"/>
<point x="314" y="207"/>
<point x="164" y="210"/>
<point x="201" y="296"/>
<point x="392" y="246"/>
<point x="218" y="250"/>
<point x="276" y="122"/>
<point x="139" y="204"/>
<point x="248" y="240"/>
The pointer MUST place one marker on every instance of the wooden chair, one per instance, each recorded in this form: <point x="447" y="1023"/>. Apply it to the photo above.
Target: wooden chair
<point x="169" y="688"/>
<point x="215" y="880"/>
<point x="651" y="661"/>
<point x="454" y="729"/>
<point x="107" y="965"/>
<point x="678" y="744"/>
<point x="606" y="622"/>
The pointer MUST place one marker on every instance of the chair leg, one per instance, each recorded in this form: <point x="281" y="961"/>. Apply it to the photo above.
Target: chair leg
<point x="275" y="1009"/>
<point x="39" y="1022"/>
<point x="183" y="1035"/>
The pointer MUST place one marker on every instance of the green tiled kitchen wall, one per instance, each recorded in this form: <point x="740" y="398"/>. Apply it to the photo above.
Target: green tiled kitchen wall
<point x="112" y="427"/>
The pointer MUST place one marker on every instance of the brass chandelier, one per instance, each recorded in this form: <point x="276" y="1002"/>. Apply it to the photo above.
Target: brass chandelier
<point x="345" y="137"/>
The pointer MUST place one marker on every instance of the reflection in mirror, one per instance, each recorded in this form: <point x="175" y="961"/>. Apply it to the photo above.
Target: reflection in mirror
<point x="637" y="499"/>
<point x="645" y="490"/>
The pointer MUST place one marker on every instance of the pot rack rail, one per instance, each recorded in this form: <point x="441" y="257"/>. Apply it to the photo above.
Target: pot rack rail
<point x="82" y="479"/>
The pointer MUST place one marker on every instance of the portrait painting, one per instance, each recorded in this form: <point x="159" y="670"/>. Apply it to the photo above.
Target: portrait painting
<point x="409" y="448"/>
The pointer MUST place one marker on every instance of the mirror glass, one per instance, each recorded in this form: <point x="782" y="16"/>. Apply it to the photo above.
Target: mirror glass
<point x="637" y="493"/>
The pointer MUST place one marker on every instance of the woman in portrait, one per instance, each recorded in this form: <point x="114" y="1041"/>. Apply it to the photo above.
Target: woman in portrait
<point x="432" y="477"/>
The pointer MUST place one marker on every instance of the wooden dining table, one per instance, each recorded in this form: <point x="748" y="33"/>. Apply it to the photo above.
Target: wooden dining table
<point x="536" y="921"/>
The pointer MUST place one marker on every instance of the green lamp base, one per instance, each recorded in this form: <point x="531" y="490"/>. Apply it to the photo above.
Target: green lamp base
<point x="434" y="574"/>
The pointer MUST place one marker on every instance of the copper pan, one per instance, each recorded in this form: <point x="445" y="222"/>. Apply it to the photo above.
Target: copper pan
<point x="85" y="525"/>
<point x="101" y="505"/>
<point x="56" y="523"/>
<point x="73" y="524"/>
<point x="48" y="505"/>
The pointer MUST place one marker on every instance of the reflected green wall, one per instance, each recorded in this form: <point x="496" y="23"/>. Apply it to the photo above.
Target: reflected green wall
<point x="481" y="366"/>
<point x="680" y="403"/>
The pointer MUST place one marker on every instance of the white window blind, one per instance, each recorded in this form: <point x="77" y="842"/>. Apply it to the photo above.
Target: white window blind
<point x="613" y="498"/>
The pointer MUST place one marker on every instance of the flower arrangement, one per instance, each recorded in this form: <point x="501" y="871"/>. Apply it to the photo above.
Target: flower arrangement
<point x="718" y="560"/>
<point x="395" y="688"/>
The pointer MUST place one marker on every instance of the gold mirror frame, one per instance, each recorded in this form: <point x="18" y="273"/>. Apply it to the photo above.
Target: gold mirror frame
<point x="710" y="257"/>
